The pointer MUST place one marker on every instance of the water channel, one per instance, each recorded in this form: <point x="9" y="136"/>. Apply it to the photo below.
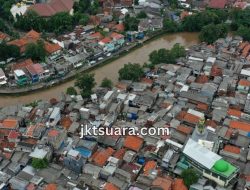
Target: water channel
<point x="109" y="70"/>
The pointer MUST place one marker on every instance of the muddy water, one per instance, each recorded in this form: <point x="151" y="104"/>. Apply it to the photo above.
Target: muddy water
<point x="110" y="70"/>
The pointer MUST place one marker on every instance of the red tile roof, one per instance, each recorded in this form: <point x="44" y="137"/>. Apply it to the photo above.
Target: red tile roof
<point x="51" y="48"/>
<point x="110" y="186"/>
<point x="35" y="69"/>
<point x="31" y="186"/>
<point x="211" y="123"/>
<point x="133" y="143"/>
<point x="149" y="166"/>
<point x="179" y="185"/>
<point x="240" y="125"/>
<point x="22" y="65"/>
<point x="243" y="45"/>
<point x="31" y="37"/>
<point x="53" y="133"/>
<point x="66" y="122"/>
<point x="97" y="35"/>
<point x="190" y="118"/>
<point x="216" y="71"/>
<point x="30" y="130"/>
<point x="51" y="187"/>
<point x="202" y="106"/>
<point x="106" y="40"/>
<point x="184" y="129"/>
<point x="120" y="153"/>
<point x="234" y="112"/>
<point x="165" y="183"/>
<point x="116" y="36"/>
<point x="121" y="86"/>
<point x="10" y="123"/>
<point x="232" y="149"/>
<point x="119" y="27"/>
<point x="147" y="80"/>
<point x="244" y="82"/>
<point x="3" y="36"/>
<point x="202" y="79"/>
<point x="245" y="51"/>
<point x="14" y="135"/>
<point x="50" y="9"/>
<point x="217" y="4"/>
<point x="100" y="157"/>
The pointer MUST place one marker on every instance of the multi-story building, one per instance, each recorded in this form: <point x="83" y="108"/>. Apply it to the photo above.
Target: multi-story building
<point x="210" y="164"/>
<point x="74" y="161"/>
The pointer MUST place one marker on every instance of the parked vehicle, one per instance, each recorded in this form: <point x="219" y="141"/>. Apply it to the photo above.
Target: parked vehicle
<point x="92" y="62"/>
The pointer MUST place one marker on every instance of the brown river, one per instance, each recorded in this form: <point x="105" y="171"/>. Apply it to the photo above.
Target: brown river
<point x="109" y="70"/>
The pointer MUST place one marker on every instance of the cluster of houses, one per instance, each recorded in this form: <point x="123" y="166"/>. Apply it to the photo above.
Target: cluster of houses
<point x="82" y="47"/>
<point x="203" y="101"/>
<point x="26" y="71"/>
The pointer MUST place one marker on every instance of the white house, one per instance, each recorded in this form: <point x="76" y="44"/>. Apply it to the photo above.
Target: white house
<point x="3" y="78"/>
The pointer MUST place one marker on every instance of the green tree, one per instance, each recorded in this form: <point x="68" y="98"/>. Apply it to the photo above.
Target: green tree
<point x="167" y="56"/>
<point x="141" y="14"/>
<point x="173" y="3"/>
<point x="84" y="19"/>
<point x="94" y="7"/>
<point x="5" y="9"/>
<point x="131" y="71"/>
<point x="244" y="32"/>
<point x="4" y="28"/>
<point x="31" y="20"/>
<point x="106" y="83"/>
<point x="197" y="21"/>
<point x="71" y="91"/>
<point x="178" y="51"/>
<point x="240" y="17"/>
<point x="85" y="83"/>
<point x="136" y="2"/>
<point x="8" y="51"/>
<point x="60" y="23"/>
<point x="169" y="25"/>
<point x="57" y="23"/>
<point x="36" y="51"/>
<point x="189" y="176"/>
<point x="39" y="163"/>
<point x="81" y="6"/>
<point x="131" y="23"/>
<point x="212" y="32"/>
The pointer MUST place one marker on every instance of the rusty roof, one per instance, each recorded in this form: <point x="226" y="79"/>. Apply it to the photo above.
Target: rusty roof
<point x="10" y="124"/>
<point x="100" y="157"/>
<point x="239" y="125"/>
<point x="150" y="165"/>
<point x="133" y="143"/>
<point x="232" y="149"/>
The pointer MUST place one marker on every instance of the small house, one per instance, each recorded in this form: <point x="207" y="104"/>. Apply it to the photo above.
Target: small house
<point x="3" y="78"/>
<point x="20" y="77"/>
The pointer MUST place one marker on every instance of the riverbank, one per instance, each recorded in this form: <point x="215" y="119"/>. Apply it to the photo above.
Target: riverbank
<point x="107" y="69"/>
<point x="71" y="76"/>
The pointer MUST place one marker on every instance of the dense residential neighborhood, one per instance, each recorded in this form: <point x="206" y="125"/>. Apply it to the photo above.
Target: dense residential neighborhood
<point x="188" y="107"/>
<point x="202" y="100"/>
